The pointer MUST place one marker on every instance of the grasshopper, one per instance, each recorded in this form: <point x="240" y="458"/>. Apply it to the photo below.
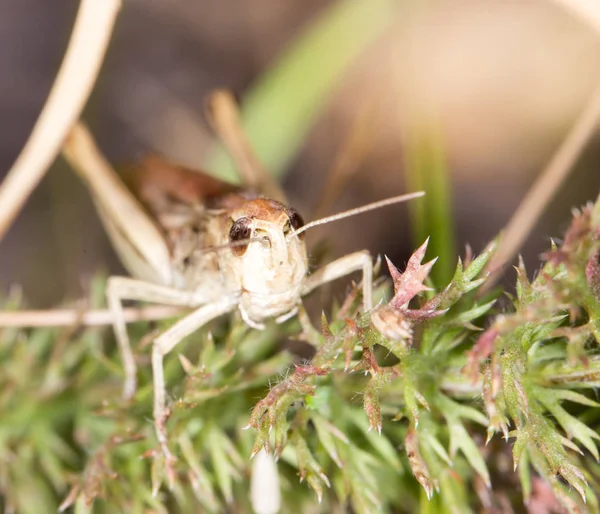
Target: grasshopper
<point x="190" y="240"/>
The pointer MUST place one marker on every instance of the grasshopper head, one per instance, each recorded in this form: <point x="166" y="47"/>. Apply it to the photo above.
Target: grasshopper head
<point x="270" y="267"/>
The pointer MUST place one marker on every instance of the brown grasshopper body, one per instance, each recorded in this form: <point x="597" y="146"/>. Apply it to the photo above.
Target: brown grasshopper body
<point x="200" y="216"/>
<point x="188" y="239"/>
<point x="208" y="246"/>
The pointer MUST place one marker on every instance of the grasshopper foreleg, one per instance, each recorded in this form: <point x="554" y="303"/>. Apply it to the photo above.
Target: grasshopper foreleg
<point x="344" y="266"/>
<point x="163" y="344"/>
<point x="123" y="288"/>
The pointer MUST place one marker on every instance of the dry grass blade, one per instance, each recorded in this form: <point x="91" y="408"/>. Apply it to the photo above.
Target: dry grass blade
<point x="71" y="90"/>
<point x="224" y="117"/>
<point x="91" y="318"/>
<point x="545" y="187"/>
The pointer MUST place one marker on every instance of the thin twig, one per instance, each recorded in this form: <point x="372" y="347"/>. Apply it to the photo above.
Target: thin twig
<point x="73" y="85"/>
<point x="545" y="187"/>
<point x="589" y="10"/>
<point x="69" y="317"/>
<point x="224" y="117"/>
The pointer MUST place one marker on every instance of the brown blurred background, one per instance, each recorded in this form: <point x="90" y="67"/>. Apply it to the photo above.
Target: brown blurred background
<point x="503" y="80"/>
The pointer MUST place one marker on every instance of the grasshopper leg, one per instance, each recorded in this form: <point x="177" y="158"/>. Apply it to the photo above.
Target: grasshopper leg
<point x="123" y="288"/>
<point x="344" y="266"/>
<point x="163" y="344"/>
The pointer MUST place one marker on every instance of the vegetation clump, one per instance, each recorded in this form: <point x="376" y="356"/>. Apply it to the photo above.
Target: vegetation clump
<point x="427" y="398"/>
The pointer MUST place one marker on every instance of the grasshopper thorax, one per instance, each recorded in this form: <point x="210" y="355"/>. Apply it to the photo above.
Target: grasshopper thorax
<point x="267" y="260"/>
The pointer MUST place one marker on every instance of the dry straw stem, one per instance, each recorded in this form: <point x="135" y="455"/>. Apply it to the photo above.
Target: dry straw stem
<point x="224" y="117"/>
<point x="559" y="167"/>
<point x="74" y="317"/>
<point x="544" y="188"/>
<point x="73" y="85"/>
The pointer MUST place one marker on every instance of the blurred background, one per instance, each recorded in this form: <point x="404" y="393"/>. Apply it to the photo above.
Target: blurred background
<point x="467" y="97"/>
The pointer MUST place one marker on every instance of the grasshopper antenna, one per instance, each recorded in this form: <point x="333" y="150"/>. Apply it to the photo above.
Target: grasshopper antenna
<point x="359" y="210"/>
<point x="328" y="219"/>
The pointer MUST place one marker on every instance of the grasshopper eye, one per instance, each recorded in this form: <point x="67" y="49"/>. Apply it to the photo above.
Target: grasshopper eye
<point x="240" y="231"/>
<point x="296" y="220"/>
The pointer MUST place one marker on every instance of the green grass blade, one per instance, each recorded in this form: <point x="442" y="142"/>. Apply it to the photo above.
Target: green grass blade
<point x="426" y="170"/>
<point x="281" y="107"/>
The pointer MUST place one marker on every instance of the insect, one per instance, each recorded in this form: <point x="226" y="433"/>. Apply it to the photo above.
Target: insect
<point x="190" y="240"/>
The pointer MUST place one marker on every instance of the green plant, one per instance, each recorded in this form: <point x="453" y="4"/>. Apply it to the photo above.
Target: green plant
<point x="403" y="396"/>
